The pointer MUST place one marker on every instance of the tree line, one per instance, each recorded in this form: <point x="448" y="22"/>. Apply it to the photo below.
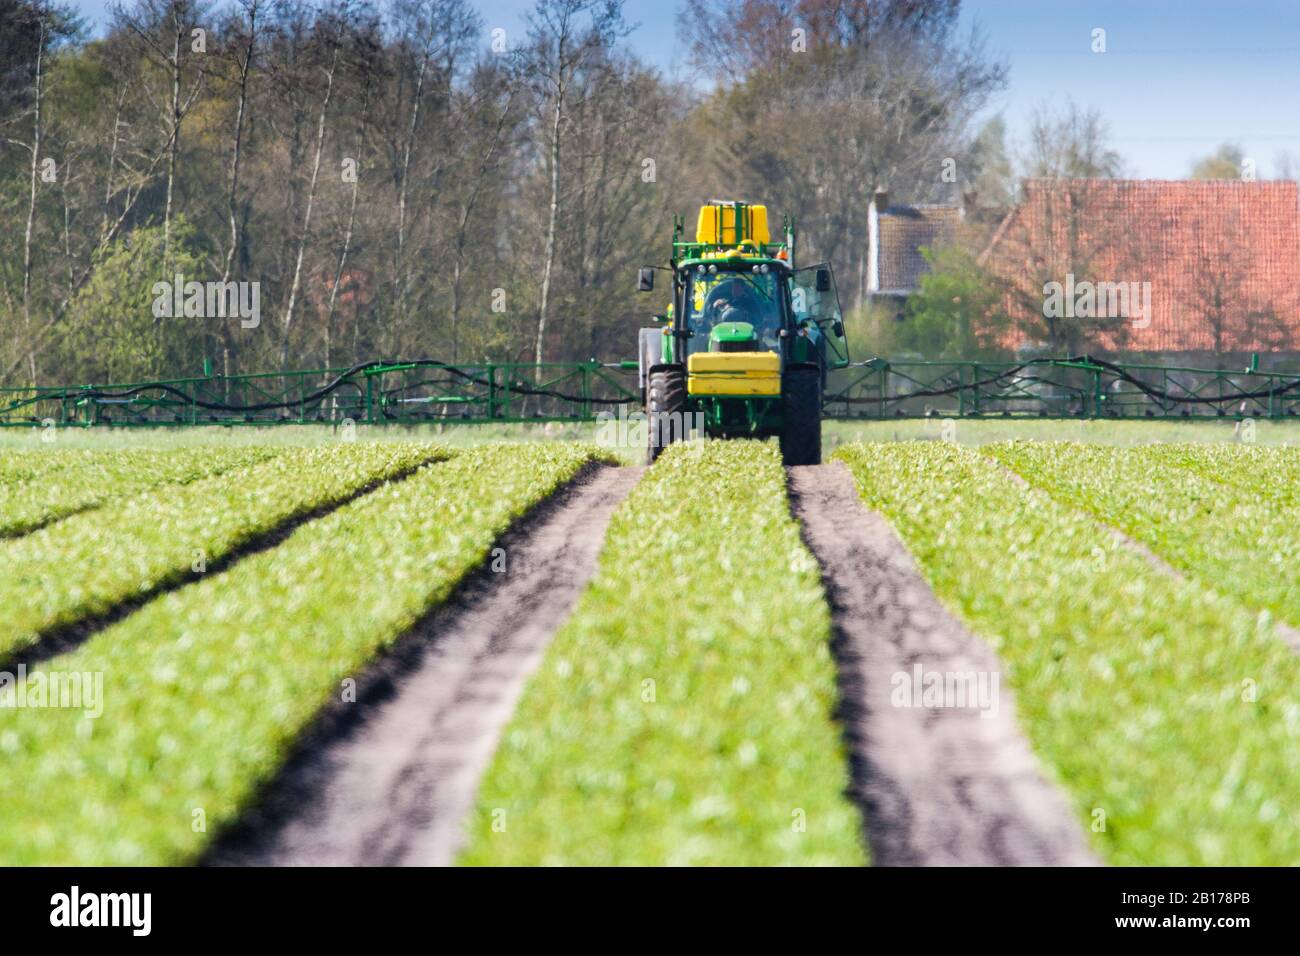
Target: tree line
<point x="406" y="179"/>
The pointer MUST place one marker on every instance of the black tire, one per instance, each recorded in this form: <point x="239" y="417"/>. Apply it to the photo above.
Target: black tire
<point x="801" y="433"/>
<point x="665" y="410"/>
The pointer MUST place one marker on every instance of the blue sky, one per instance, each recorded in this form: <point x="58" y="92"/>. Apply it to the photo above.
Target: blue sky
<point x="1178" y="76"/>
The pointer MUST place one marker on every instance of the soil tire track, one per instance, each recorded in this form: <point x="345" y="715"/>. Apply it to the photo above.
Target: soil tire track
<point x="389" y="780"/>
<point x="938" y="786"/>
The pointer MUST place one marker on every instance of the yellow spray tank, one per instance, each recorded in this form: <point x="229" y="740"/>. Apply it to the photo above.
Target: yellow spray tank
<point x="733" y="224"/>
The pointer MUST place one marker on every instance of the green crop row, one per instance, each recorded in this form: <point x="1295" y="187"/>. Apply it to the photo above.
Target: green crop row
<point x="1241" y="542"/>
<point x="206" y="688"/>
<point x="683" y="714"/>
<point x="24" y="465"/>
<point x="1268" y="470"/>
<point x="42" y="487"/>
<point x="1165" y="710"/>
<point x="86" y="565"/>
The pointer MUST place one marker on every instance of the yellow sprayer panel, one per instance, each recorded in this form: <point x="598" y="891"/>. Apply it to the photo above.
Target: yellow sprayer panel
<point x="709" y="385"/>
<point x="768" y="363"/>
<point x="734" y="373"/>
<point x="717" y="225"/>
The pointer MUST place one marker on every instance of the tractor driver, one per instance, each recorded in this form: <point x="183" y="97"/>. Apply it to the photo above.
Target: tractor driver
<point x="736" y="301"/>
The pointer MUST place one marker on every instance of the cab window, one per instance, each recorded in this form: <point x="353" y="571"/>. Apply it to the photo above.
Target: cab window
<point x="733" y="297"/>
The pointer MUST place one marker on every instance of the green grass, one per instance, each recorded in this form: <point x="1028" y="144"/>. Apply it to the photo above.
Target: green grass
<point x="980" y="431"/>
<point x="1134" y="688"/>
<point x="1240" y="536"/>
<point x="205" y="689"/>
<point x="683" y="714"/>
<point x="89" y="563"/>
<point x="37" y="488"/>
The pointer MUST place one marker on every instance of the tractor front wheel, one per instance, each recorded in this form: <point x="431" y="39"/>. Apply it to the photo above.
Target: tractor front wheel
<point x="665" y="410"/>
<point x="801" y="431"/>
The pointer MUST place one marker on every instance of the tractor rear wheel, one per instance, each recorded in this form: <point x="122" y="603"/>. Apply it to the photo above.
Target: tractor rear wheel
<point x="801" y="431"/>
<point x="665" y="410"/>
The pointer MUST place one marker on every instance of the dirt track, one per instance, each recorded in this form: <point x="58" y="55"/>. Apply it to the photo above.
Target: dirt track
<point x="389" y="780"/>
<point x="938" y="785"/>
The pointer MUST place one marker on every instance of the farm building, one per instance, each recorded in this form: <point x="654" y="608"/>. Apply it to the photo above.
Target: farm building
<point x="896" y="234"/>
<point x="1208" y="268"/>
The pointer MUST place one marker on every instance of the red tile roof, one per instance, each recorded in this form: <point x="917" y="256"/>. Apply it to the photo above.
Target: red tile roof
<point x="1198" y="243"/>
<point x="904" y="231"/>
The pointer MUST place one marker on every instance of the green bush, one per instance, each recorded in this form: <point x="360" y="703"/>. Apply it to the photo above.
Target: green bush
<point x="109" y="333"/>
<point x="954" y="314"/>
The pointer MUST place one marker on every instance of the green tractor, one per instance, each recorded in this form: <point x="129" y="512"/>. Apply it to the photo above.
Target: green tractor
<point x="744" y="348"/>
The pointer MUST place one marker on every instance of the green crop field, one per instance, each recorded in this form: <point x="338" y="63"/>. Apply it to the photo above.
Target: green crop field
<point x="692" y="735"/>
<point x="688" y="707"/>
<point x="205" y="689"/>
<point x="56" y="576"/>
<point x="36" y="490"/>
<point x="1168" y="705"/>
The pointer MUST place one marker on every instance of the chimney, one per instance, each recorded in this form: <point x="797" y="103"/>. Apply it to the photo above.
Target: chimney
<point x="879" y="201"/>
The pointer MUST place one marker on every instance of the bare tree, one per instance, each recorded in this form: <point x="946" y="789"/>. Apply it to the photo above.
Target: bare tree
<point x="437" y="32"/>
<point x="133" y="191"/>
<point x="497" y="140"/>
<point x="728" y="53"/>
<point x="332" y="41"/>
<point x="116" y="137"/>
<point x="364" y="55"/>
<point x="35" y="149"/>
<point x="167" y="31"/>
<point x="519" y="171"/>
<point x="35" y="32"/>
<point x="244" y="51"/>
<point x="1073" y="143"/>
<point x="620" y="117"/>
<point x="565" y="36"/>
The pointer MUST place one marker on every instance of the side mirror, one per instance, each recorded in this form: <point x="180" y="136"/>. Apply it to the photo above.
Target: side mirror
<point x="838" y="329"/>
<point x="823" y="280"/>
<point x="645" y="280"/>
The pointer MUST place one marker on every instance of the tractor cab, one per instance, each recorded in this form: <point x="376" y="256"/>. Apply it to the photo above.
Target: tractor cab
<point x="734" y="311"/>
<point x="747" y="333"/>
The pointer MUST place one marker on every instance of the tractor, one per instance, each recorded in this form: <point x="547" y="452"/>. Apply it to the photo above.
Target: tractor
<point x="744" y="348"/>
